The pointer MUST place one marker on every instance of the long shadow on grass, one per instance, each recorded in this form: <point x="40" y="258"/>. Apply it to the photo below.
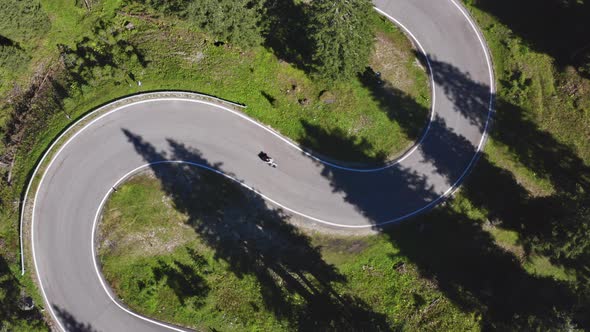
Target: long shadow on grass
<point x="184" y="279"/>
<point x="558" y="28"/>
<point x="470" y="99"/>
<point x="399" y="106"/>
<point x="462" y="259"/>
<point x="455" y="251"/>
<point x="340" y="145"/>
<point x="296" y="284"/>
<point x="468" y="265"/>
<point x="539" y="151"/>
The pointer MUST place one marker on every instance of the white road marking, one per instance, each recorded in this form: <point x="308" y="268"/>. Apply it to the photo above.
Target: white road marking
<point x="400" y="159"/>
<point x="444" y="195"/>
<point x="94" y="255"/>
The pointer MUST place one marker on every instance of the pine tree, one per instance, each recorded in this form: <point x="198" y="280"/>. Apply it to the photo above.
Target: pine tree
<point x="238" y="22"/>
<point x="341" y="36"/>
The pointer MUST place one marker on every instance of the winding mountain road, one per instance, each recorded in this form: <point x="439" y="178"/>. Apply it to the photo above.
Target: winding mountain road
<point x="83" y="172"/>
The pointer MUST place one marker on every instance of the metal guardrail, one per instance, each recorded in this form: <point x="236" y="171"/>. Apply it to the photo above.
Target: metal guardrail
<point x="111" y="105"/>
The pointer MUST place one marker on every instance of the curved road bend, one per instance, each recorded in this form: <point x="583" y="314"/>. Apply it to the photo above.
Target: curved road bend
<point x="84" y="171"/>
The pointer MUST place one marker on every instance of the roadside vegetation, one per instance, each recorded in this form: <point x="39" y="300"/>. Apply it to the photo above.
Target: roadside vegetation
<point x="510" y="250"/>
<point x="539" y="151"/>
<point x="60" y="59"/>
<point x="228" y="262"/>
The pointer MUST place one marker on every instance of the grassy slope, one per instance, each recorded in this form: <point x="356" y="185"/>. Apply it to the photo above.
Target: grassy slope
<point x="530" y="80"/>
<point x="533" y="102"/>
<point x="170" y="47"/>
<point x="138" y="241"/>
<point x="469" y="254"/>
<point x="543" y="97"/>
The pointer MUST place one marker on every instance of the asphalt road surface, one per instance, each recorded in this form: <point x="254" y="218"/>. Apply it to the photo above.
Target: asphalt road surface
<point x="89" y="165"/>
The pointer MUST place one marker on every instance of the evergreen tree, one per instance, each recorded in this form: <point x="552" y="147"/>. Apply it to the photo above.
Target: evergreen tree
<point x="341" y="36"/>
<point x="238" y="22"/>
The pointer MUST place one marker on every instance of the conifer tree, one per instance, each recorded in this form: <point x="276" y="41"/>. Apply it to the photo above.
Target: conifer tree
<point x="238" y="22"/>
<point x="341" y="37"/>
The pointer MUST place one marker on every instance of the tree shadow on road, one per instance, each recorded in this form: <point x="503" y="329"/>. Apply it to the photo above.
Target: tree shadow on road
<point x="452" y="244"/>
<point x="296" y="284"/>
<point x="70" y="323"/>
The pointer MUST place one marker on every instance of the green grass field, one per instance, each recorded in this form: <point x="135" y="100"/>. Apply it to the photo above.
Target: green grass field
<point x="178" y="57"/>
<point x="477" y="253"/>
<point x="471" y="263"/>
<point x="252" y="271"/>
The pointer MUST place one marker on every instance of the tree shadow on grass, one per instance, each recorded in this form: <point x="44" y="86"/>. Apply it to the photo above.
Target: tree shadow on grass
<point x="340" y="145"/>
<point x="477" y="275"/>
<point x="184" y="279"/>
<point x="557" y="28"/>
<point x="469" y="98"/>
<point x="470" y="268"/>
<point x="539" y="151"/>
<point x="398" y="105"/>
<point x="296" y="284"/>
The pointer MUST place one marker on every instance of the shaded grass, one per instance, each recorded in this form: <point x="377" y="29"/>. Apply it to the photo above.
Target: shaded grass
<point x="374" y="270"/>
<point x="479" y="249"/>
<point x="540" y="135"/>
<point x="556" y="100"/>
<point x="172" y="50"/>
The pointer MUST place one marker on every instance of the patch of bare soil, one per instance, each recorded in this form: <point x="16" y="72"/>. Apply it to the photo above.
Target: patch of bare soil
<point x="352" y="245"/>
<point x="390" y="59"/>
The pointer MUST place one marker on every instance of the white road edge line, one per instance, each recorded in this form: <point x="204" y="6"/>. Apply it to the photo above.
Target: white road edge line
<point x="94" y="254"/>
<point x="70" y="128"/>
<point x="450" y="190"/>
<point x="398" y="160"/>
<point x="444" y="195"/>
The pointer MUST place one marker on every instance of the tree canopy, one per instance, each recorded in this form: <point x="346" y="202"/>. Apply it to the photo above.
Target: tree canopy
<point x="342" y="39"/>
<point x="234" y="21"/>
